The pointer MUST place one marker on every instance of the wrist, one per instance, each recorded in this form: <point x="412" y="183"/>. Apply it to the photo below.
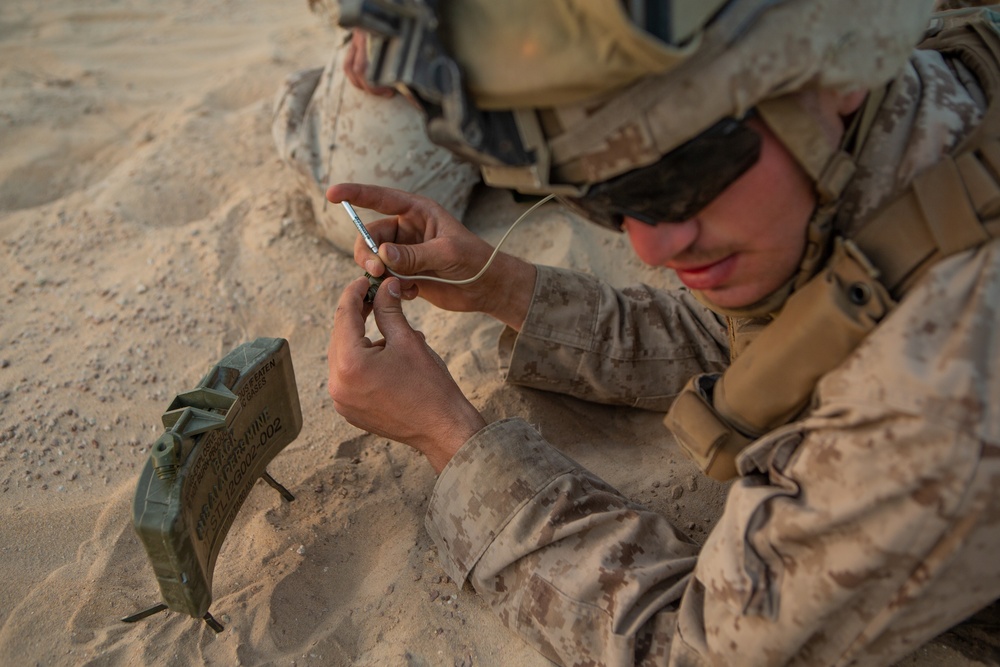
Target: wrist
<point x="441" y="453"/>
<point x="512" y="292"/>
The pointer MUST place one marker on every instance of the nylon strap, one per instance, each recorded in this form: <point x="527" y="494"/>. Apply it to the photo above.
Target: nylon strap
<point x="949" y="208"/>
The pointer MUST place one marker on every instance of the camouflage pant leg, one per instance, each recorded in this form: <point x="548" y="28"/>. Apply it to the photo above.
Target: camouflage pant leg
<point x="330" y="132"/>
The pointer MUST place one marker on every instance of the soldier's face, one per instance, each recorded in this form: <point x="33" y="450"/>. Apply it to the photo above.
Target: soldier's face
<point x="747" y="242"/>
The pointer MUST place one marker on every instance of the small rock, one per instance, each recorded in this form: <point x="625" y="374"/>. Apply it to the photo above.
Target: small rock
<point x="301" y="550"/>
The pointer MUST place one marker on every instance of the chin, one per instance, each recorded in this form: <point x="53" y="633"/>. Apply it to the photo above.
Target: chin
<point x="735" y="298"/>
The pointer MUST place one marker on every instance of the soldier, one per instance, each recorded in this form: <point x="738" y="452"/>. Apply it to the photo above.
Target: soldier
<point x="330" y="126"/>
<point x="828" y="195"/>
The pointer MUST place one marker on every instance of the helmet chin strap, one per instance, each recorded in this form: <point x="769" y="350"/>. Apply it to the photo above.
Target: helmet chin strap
<point x="829" y="167"/>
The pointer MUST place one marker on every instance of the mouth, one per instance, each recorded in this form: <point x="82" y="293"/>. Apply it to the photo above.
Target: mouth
<point x="705" y="276"/>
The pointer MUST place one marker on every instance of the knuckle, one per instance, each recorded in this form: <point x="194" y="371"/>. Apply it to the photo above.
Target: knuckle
<point x="347" y="372"/>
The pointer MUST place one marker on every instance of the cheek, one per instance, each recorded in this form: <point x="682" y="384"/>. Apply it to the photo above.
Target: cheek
<point x="640" y="244"/>
<point x="777" y="201"/>
<point x="657" y="245"/>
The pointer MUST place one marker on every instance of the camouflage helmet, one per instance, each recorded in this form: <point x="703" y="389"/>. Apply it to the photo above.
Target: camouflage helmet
<point x="592" y="90"/>
<point x="722" y="60"/>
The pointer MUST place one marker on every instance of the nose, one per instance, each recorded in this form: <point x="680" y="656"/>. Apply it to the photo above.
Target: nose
<point x="658" y="244"/>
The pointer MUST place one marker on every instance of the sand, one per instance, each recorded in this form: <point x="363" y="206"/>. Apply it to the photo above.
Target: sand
<point x="147" y="228"/>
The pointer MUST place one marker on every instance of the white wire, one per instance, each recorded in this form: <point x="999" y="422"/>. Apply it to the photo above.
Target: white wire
<point x="466" y="281"/>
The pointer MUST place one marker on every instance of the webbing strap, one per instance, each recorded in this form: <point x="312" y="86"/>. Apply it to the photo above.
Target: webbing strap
<point x="623" y="109"/>
<point x="946" y="208"/>
<point x="954" y="205"/>
<point x="950" y="207"/>
<point x="981" y="185"/>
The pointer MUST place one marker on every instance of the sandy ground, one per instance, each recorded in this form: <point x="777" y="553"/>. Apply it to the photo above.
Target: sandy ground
<point x="147" y="228"/>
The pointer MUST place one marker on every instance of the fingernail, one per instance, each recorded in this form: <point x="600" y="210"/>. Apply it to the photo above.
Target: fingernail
<point x="393" y="288"/>
<point x="392" y="253"/>
<point x="370" y="265"/>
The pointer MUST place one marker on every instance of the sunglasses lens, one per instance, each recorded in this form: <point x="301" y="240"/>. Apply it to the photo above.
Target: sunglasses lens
<point x="680" y="184"/>
<point x="593" y="212"/>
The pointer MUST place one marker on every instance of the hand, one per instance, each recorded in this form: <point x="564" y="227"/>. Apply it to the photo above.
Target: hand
<point x="356" y="65"/>
<point x="422" y="407"/>
<point x="421" y="238"/>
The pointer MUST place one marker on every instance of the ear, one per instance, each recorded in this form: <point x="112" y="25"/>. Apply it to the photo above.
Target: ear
<point x="832" y="108"/>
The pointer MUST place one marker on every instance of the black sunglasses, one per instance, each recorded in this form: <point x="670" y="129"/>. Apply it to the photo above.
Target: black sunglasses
<point x="680" y="184"/>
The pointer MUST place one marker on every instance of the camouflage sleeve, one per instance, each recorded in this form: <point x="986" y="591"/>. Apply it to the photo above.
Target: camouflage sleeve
<point x="871" y="532"/>
<point x="578" y="571"/>
<point x="867" y="528"/>
<point x="636" y="346"/>
<point x="851" y="537"/>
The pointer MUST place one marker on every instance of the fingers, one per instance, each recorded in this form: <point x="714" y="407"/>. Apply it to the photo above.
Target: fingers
<point x="389" y="314"/>
<point x="355" y="363"/>
<point x="408" y="260"/>
<point x="352" y="66"/>
<point x="414" y="220"/>
<point x="349" y="322"/>
<point x="420" y="239"/>
<point x="387" y="201"/>
<point x="356" y="66"/>
<point x="349" y="319"/>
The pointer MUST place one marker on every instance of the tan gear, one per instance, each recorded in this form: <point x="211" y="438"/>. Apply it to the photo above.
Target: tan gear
<point x="717" y="416"/>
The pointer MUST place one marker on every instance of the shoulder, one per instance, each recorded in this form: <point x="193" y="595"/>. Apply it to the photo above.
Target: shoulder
<point x="934" y="355"/>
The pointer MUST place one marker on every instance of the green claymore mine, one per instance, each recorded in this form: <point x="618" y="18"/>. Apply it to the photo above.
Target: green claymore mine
<point x="219" y="439"/>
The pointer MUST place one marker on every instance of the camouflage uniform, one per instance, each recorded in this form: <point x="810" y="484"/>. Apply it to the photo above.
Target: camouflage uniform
<point x="331" y="132"/>
<point x="853" y="534"/>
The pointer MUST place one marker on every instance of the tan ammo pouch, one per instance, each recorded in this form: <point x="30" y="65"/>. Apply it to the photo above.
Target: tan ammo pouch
<point x="771" y="382"/>
<point x="703" y="433"/>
